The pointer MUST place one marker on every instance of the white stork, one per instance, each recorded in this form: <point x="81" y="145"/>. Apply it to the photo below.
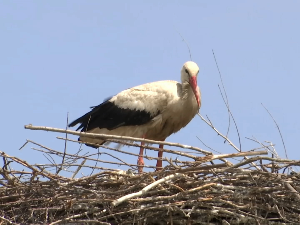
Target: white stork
<point x="153" y="111"/>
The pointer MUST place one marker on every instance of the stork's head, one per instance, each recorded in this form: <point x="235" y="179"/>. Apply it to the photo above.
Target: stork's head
<point x="189" y="75"/>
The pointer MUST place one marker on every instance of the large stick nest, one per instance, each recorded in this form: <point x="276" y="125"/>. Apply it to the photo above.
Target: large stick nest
<point x="206" y="190"/>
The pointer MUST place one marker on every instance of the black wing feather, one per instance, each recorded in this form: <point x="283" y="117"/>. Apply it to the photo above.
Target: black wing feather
<point x="110" y="116"/>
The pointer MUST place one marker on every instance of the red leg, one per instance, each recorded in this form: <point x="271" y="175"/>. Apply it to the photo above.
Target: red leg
<point x="140" y="161"/>
<point x="159" y="161"/>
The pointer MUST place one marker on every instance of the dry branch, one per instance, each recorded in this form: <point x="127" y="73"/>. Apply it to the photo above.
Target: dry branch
<point x="146" y="189"/>
<point x="114" y="137"/>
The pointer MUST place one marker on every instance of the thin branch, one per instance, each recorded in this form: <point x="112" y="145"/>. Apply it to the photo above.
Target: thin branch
<point x="65" y="148"/>
<point x="24" y="163"/>
<point x="146" y="189"/>
<point x="137" y="145"/>
<point x="277" y="129"/>
<point x="226" y="102"/>
<point x="236" y="127"/>
<point x="186" y="45"/>
<point x="78" y="168"/>
<point x="6" y="220"/>
<point x="226" y="138"/>
<point x="112" y="137"/>
<point x="219" y="133"/>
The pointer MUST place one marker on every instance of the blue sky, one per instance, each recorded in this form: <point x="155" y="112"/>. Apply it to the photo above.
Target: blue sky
<point x="65" y="56"/>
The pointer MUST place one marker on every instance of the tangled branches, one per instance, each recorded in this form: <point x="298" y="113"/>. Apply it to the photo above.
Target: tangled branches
<point x="204" y="189"/>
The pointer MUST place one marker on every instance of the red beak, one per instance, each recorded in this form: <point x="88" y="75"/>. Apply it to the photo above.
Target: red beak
<point x="193" y="83"/>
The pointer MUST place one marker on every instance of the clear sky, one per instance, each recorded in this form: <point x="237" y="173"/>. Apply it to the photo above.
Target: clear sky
<point x="65" y="56"/>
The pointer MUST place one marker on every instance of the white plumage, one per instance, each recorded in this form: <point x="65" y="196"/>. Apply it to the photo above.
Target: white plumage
<point x="153" y="110"/>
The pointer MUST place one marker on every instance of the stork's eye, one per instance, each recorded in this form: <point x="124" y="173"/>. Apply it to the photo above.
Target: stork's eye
<point x="186" y="71"/>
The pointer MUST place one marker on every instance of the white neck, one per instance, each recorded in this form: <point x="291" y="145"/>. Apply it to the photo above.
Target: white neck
<point x="186" y="91"/>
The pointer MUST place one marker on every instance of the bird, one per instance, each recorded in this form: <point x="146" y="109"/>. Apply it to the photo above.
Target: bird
<point x="153" y="111"/>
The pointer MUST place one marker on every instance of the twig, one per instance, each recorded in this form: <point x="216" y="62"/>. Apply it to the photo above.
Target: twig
<point x="226" y="138"/>
<point x="24" y="163"/>
<point x="176" y="196"/>
<point x="208" y="146"/>
<point x="78" y="168"/>
<point x="112" y="137"/>
<point x="223" y="86"/>
<point x="65" y="148"/>
<point x="186" y="45"/>
<point x="137" y="145"/>
<point x="219" y="133"/>
<point x="296" y="193"/>
<point x="236" y="127"/>
<point x="247" y="161"/>
<point x="6" y="220"/>
<point x="278" y="130"/>
<point x="146" y="189"/>
<point x="92" y="159"/>
<point x="240" y="154"/>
